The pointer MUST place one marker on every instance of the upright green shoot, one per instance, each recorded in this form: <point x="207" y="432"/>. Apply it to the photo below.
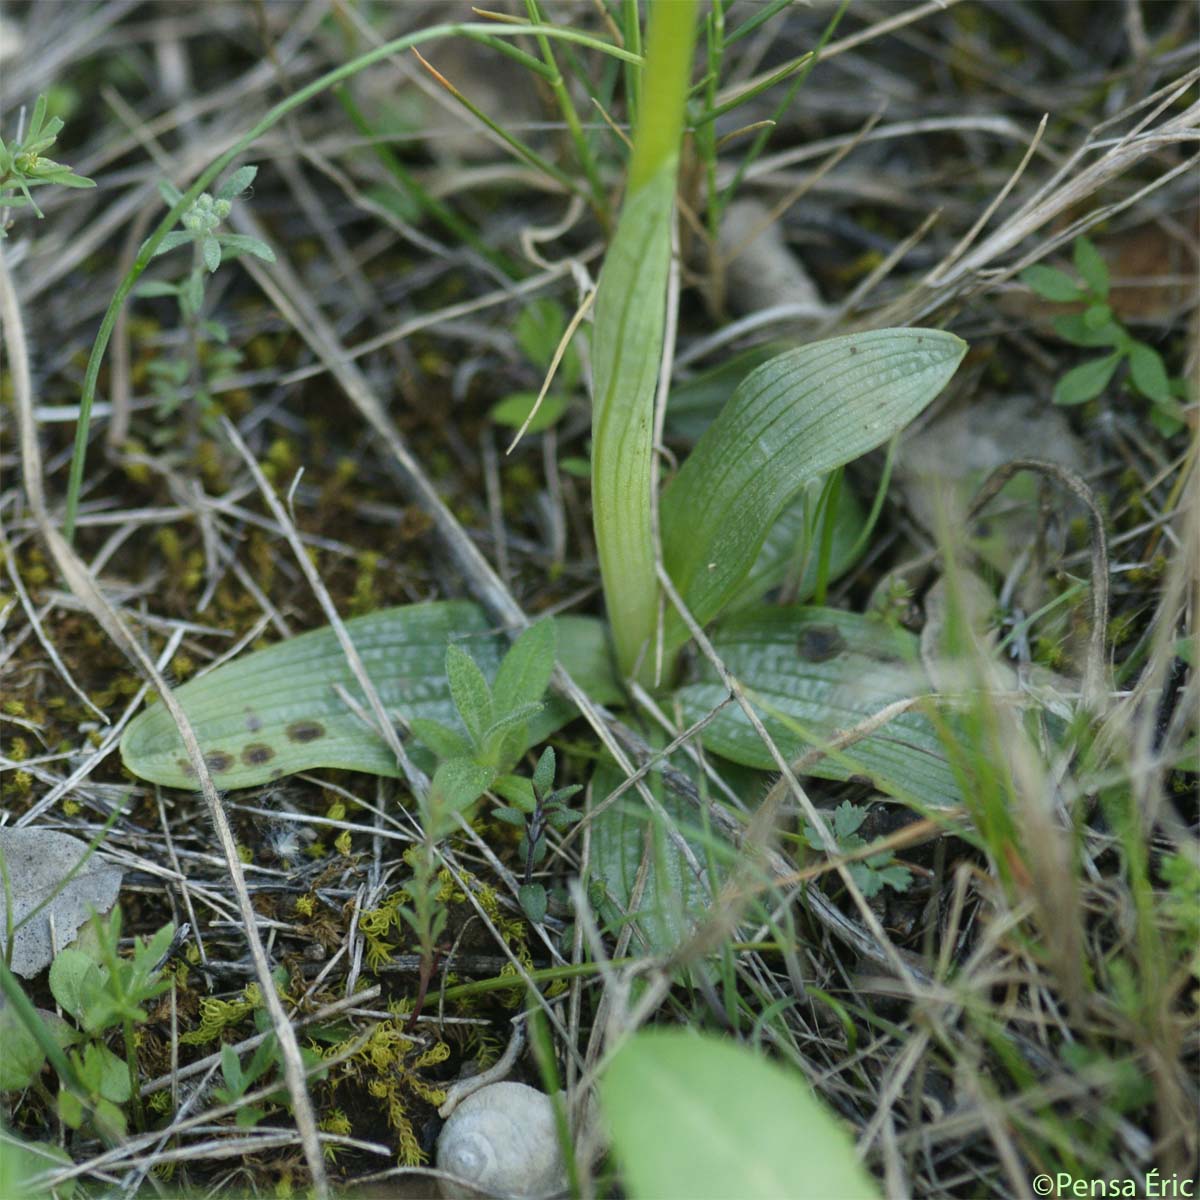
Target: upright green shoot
<point x="628" y="340"/>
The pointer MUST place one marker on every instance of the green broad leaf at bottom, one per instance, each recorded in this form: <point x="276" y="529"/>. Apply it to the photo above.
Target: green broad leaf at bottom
<point x="696" y="1117"/>
<point x="277" y="711"/>
<point x="811" y="673"/>
<point x="22" y="1162"/>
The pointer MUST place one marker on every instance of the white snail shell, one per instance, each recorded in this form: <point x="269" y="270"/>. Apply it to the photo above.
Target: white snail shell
<point x="504" y="1139"/>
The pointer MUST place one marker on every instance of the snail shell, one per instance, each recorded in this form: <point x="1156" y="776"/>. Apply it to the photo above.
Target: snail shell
<point x="504" y="1139"/>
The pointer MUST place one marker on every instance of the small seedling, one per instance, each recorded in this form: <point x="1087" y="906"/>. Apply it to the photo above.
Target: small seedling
<point x="23" y="165"/>
<point x="1096" y="326"/>
<point x="536" y="805"/>
<point x="204" y="365"/>
<point x="101" y="997"/>
<point x="239" y="1079"/>
<point x="871" y="874"/>
<point x="495" y="719"/>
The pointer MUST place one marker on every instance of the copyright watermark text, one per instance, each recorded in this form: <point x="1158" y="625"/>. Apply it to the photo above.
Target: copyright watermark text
<point x="1155" y="1186"/>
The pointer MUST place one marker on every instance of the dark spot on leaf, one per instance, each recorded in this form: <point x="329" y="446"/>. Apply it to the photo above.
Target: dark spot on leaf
<point x="305" y="731"/>
<point x="185" y="766"/>
<point x="253" y="722"/>
<point x="853" y="349"/>
<point x="277" y="773"/>
<point x="257" y="753"/>
<point x="820" y="643"/>
<point x="218" y="760"/>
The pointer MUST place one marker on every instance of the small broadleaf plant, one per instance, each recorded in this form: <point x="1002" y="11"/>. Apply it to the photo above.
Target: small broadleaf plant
<point x="873" y="873"/>
<point x="495" y="719"/>
<point x="535" y="806"/>
<point x="1095" y="326"/>
<point x="101" y="997"/>
<point x="23" y="164"/>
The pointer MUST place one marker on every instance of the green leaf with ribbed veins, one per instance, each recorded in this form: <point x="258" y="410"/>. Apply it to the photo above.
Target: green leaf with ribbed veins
<point x="812" y="673"/>
<point x="627" y="345"/>
<point x="791" y="421"/>
<point x="672" y="898"/>
<point x="793" y="544"/>
<point x="277" y="711"/>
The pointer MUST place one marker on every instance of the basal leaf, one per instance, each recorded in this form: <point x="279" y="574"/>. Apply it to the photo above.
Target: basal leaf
<point x="812" y="673"/>
<point x="793" y="420"/>
<point x="278" y="711"/>
<point x="697" y="1116"/>
<point x="673" y="898"/>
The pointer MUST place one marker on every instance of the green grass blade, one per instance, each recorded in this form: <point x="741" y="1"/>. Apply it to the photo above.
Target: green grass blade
<point x="791" y="421"/>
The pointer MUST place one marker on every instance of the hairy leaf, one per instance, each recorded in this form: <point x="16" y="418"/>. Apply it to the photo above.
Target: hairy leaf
<point x="525" y="671"/>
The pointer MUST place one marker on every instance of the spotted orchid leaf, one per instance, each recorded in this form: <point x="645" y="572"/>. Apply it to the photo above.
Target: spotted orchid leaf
<point x="811" y="673"/>
<point x="295" y="706"/>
